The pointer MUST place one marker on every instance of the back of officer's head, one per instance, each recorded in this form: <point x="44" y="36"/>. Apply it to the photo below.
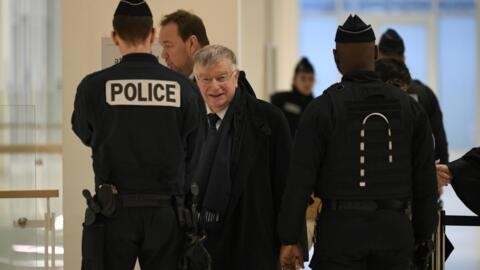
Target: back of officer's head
<point x="393" y="71"/>
<point x="133" y="21"/>
<point x="188" y="24"/>
<point x="355" y="48"/>
<point x="391" y="45"/>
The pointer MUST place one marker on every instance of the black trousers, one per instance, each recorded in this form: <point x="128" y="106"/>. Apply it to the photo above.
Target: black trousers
<point x="362" y="240"/>
<point x="151" y="234"/>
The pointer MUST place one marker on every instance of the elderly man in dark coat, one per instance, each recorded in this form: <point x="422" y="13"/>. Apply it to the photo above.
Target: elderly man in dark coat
<point x="243" y="168"/>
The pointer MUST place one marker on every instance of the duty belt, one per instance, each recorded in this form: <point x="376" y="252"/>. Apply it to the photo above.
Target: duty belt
<point x="365" y="205"/>
<point x="146" y="200"/>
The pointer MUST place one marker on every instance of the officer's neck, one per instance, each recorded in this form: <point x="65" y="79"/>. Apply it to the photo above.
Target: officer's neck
<point x="137" y="48"/>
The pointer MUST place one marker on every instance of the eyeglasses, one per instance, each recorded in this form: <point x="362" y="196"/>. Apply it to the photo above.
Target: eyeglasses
<point x="222" y="78"/>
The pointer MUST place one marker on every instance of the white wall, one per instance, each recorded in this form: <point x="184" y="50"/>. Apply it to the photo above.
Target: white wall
<point x="268" y="44"/>
<point x="248" y="27"/>
<point x="253" y="39"/>
<point x="285" y="39"/>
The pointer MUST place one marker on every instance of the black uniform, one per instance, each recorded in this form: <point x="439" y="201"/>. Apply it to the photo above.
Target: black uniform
<point x="391" y="45"/>
<point x="366" y="149"/>
<point x="292" y="104"/>
<point x="141" y="121"/>
<point x="466" y="179"/>
<point x="425" y="96"/>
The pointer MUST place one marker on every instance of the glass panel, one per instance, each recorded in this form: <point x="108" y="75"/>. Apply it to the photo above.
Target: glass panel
<point x="317" y="5"/>
<point x="457" y="53"/>
<point x="317" y="40"/>
<point x="457" y="5"/>
<point x="387" y="5"/>
<point x="30" y="125"/>
<point x="17" y="172"/>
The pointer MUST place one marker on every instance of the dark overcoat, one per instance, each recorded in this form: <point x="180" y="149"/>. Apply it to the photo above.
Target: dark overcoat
<point x="260" y="156"/>
<point x="466" y="179"/>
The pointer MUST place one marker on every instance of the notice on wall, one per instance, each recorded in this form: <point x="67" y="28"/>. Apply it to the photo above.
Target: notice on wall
<point x="111" y="55"/>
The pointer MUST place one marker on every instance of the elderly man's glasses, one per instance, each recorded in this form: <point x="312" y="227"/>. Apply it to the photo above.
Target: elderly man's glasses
<point x="222" y="78"/>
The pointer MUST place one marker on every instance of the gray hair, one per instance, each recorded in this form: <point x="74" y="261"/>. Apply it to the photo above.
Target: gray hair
<point x="213" y="54"/>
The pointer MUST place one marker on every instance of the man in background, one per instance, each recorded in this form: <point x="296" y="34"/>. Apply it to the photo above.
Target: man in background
<point x="293" y="103"/>
<point x="182" y="34"/>
<point x="391" y="45"/>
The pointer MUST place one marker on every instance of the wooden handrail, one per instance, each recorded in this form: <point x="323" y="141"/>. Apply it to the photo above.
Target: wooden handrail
<point x="40" y="193"/>
<point x="31" y="148"/>
<point x="48" y="223"/>
<point x="30" y="125"/>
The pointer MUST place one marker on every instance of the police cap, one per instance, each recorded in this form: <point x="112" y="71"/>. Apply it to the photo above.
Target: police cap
<point x="133" y="8"/>
<point x="391" y="43"/>
<point x="304" y="66"/>
<point x="354" y="30"/>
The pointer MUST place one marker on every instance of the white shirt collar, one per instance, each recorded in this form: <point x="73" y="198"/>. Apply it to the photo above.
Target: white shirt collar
<point x="220" y="114"/>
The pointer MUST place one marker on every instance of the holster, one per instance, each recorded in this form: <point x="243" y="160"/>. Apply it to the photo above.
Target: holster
<point x="93" y="234"/>
<point x="93" y="243"/>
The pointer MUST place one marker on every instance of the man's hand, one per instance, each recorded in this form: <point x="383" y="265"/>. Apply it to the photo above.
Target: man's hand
<point x="444" y="176"/>
<point x="291" y="257"/>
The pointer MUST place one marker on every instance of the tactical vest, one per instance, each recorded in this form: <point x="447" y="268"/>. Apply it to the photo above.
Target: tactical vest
<point x="369" y="154"/>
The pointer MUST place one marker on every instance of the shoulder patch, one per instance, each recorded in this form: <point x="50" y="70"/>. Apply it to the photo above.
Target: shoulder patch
<point x="143" y="93"/>
<point x="292" y="108"/>
<point x="414" y="96"/>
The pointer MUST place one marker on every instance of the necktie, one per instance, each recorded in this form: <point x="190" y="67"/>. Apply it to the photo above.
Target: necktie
<point x="212" y="120"/>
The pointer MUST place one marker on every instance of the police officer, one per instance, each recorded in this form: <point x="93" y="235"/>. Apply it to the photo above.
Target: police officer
<point x="293" y="103"/>
<point x="141" y="121"/>
<point x="391" y="46"/>
<point x="365" y="148"/>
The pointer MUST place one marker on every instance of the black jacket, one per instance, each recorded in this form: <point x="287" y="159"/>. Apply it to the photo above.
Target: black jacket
<point x="466" y="179"/>
<point x="427" y="99"/>
<point x="140" y="148"/>
<point x="292" y="104"/>
<point x="260" y="154"/>
<point x="312" y="140"/>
